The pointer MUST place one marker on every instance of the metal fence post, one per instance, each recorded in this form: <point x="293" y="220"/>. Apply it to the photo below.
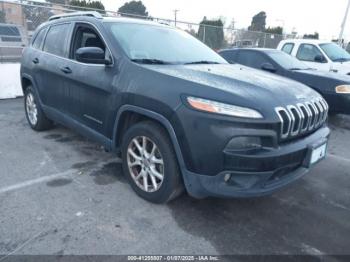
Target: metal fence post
<point x="204" y="34"/>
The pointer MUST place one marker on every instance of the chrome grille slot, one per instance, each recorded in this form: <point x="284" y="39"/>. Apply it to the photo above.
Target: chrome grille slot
<point x="296" y="120"/>
<point x="301" y="118"/>
<point x="312" y="109"/>
<point x="325" y="106"/>
<point x="306" y="114"/>
<point x="286" y="121"/>
<point x="321" y="111"/>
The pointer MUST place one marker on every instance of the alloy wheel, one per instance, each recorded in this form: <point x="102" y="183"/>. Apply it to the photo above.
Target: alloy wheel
<point x="145" y="164"/>
<point x="32" y="110"/>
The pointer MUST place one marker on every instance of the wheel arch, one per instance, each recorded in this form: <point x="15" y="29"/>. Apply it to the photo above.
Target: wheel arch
<point x="26" y="81"/>
<point x="129" y="114"/>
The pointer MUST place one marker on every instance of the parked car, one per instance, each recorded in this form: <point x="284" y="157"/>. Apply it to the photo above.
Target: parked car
<point x="12" y="42"/>
<point x="321" y="55"/>
<point x="180" y="115"/>
<point x="334" y="88"/>
<point x="243" y="44"/>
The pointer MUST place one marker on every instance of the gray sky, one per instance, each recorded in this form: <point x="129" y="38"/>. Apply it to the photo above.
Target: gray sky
<point x="306" y="16"/>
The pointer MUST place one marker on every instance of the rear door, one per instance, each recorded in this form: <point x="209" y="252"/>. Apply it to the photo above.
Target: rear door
<point x="51" y="66"/>
<point x="89" y="86"/>
<point x="32" y="57"/>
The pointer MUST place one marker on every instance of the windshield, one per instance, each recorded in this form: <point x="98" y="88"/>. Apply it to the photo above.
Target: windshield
<point x="161" y="45"/>
<point x="287" y="61"/>
<point x="335" y="52"/>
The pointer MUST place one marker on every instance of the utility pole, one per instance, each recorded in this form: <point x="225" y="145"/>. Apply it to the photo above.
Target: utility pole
<point x="340" y="39"/>
<point x="175" y="13"/>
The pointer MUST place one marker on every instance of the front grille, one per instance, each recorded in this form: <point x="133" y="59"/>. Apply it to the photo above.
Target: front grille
<point x="302" y="118"/>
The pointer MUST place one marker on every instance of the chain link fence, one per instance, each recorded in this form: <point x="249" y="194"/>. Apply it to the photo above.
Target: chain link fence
<point x="19" y="19"/>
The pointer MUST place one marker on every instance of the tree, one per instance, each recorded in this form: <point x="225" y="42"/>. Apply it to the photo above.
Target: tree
<point x="211" y="32"/>
<point x="133" y="9"/>
<point x="87" y="4"/>
<point x="274" y="30"/>
<point x="2" y="17"/>
<point x="258" y="22"/>
<point x="311" y="36"/>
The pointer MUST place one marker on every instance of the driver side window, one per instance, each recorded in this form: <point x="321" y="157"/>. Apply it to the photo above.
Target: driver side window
<point x="86" y="36"/>
<point x="308" y="52"/>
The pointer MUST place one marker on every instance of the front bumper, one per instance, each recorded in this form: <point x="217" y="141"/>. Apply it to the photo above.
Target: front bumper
<point x="270" y="171"/>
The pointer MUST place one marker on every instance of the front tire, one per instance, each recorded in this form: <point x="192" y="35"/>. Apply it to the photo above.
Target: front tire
<point x="34" y="113"/>
<point x="150" y="163"/>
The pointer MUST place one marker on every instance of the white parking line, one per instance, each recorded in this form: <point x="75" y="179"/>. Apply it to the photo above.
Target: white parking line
<point x="36" y="181"/>
<point x="68" y="173"/>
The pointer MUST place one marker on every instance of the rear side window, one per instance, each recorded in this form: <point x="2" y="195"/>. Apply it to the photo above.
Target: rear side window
<point x="230" y="56"/>
<point x="251" y="59"/>
<point x="56" y="38"/>
<point x="308" y="52"/>
<point x="288" y="48"/>
<point x="39" y="39"/>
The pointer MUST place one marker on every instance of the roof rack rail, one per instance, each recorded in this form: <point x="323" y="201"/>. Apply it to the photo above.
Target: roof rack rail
<point x="74" y="14"/>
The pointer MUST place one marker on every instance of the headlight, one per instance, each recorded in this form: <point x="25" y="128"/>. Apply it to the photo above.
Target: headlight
<point x="221" y="108"/>
<point x="343" y="89"/>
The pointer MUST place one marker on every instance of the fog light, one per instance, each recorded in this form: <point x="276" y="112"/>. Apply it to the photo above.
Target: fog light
<point x="244" y="143"/>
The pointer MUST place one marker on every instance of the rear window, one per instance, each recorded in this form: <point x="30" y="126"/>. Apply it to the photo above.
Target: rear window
<point x="39" y="39"/>
<point x="56" y="38"/>
<point x="10" y="34"/>
<point x="288" y="48"/>
<point x="251" y="59"/>
<point x="229" y="55"/>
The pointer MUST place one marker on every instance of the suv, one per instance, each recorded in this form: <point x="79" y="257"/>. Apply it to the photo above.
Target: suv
<point x="321" y="55"/>
<point x="12" y="42"/>
<point x="179" y="114"/>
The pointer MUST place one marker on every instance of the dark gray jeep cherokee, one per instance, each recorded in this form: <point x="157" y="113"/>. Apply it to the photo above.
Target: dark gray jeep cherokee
<point x="179" y="114"/>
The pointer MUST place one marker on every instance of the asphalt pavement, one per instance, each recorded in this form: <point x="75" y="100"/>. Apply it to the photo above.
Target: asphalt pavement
<point x="62" y="194"/>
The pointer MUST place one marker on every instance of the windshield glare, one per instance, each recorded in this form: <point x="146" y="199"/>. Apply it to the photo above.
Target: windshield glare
<point x="287" y="61"/>
<point x="161" y="43"/>
<point x="335" y="52"/>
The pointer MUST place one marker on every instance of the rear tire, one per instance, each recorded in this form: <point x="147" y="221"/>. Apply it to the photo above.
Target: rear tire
<point x="150" y="163"/>
<point x="34" y="113"/>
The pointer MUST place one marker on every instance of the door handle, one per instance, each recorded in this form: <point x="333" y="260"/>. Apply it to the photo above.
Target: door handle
<point x="66" y="70"/>
<point x="35" y="61"/>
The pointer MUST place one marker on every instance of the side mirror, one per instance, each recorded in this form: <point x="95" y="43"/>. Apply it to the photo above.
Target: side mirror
<point x="320" y="59"/>
<point x="91" y="55"/>
<point x="268" y="67"/>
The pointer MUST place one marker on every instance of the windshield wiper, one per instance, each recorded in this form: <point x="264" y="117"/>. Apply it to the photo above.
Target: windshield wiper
<point x="341" y="59"/>
<point x="150" y="61"/>
<point x="295" y="69"/>
<point x="201" y="62"/>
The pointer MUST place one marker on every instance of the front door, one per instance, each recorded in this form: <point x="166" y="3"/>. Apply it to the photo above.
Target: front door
<point x="308" y="53"/>
<point x="89" y="87"/>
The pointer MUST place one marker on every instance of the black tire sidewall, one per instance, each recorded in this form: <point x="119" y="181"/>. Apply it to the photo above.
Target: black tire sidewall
<point x="172" y="181"/>
<point x="28" y="91"/>
<point x="42" y="123"/>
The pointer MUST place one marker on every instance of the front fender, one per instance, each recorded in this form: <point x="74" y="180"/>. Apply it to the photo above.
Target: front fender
<point x="153" y="115"/>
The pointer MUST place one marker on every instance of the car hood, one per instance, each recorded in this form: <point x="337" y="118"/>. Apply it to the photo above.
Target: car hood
<point x="246" y="83"/>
